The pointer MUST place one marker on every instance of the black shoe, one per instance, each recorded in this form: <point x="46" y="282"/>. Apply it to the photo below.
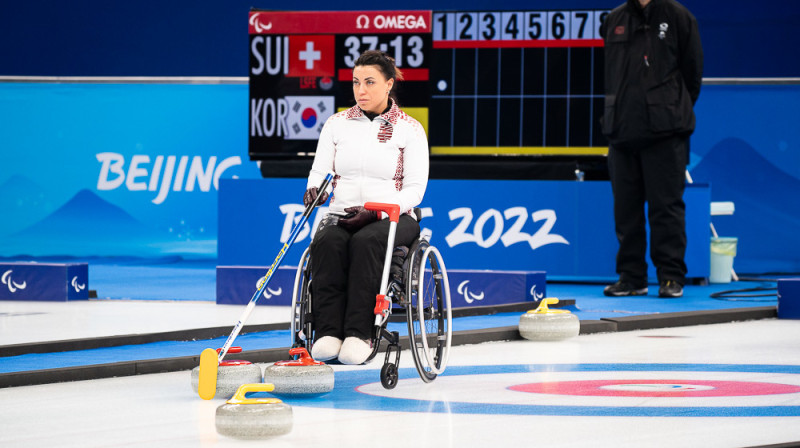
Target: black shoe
<point x="670" y="289"/>
<point x="622" y="288"/>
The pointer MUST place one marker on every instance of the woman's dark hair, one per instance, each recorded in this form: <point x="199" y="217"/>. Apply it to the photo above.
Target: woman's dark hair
<point x="383" y="61"/>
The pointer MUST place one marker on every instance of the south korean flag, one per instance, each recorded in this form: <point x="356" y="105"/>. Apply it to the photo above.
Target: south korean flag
<point x="306" y="116"/>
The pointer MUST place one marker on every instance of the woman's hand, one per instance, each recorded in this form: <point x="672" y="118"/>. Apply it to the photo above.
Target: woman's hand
<point x="311" y="194"/>
<point x="357" y="218"/>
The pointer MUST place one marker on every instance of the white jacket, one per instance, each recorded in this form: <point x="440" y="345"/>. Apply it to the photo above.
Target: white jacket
<point x="383" y="160"/>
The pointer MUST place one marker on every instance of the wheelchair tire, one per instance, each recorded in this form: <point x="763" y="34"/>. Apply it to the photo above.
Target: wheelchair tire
<point x="428" y="312"/>
<point x="389" y="376"/>
<point x="301" y="305"/>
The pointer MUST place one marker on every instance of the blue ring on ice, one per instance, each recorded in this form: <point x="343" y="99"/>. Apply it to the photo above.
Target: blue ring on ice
<point x="346" y="396"/>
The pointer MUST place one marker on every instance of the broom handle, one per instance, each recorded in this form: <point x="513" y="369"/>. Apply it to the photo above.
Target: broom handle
<point x="238" y="327"/>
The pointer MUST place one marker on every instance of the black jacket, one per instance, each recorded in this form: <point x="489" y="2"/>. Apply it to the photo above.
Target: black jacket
<point x="653" y="72"/>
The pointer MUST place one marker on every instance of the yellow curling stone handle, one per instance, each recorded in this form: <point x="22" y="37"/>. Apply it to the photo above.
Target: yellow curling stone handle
<point x="543" y="309"/>
<point x="244" y="389"/>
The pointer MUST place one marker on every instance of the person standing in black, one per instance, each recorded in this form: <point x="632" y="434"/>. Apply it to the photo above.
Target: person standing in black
<point x="653" y="73"/>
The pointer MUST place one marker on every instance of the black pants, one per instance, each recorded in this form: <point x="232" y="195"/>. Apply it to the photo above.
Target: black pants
<point x="346" y="275"/>
<point x="654" y="174"/>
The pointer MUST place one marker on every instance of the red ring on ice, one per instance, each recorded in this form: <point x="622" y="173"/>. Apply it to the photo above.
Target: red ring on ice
<point x="657" y="388"/>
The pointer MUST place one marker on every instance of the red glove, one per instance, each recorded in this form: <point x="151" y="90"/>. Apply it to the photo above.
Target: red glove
<point x="311" y="194"/>
<point x="357" y="218"/>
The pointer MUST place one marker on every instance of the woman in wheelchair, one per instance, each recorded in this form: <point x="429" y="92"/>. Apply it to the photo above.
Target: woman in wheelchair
<point x="378" y="154"/>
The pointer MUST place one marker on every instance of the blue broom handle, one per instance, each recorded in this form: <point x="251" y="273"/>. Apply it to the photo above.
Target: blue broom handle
<point x="275" y="264"/>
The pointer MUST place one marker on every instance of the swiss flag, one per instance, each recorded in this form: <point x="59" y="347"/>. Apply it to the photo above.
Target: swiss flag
<point x="311" y="56"/>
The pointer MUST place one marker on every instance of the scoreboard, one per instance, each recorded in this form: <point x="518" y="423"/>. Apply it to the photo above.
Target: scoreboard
<point x="301" y="70"/>
<point x="480" y="82"/>
<point x="517" y="82"/>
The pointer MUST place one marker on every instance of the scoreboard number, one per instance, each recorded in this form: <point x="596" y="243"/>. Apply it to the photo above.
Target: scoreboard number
<point x="443" y="27"/>
<point x="599" y="18"/>
<point x="407" y="51"/>
<point x="466" y="26"/>
<point x="517" y="25"/>
<point x="489" y="26"/>
<point x="513" y="25"/>
<point x="559" y="26"/>
<point x="536" y="25"/>
<point x="581" y="25"/>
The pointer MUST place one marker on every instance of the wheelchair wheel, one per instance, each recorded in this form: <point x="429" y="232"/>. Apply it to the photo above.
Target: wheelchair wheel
<point x="301" y="330"/>
<point x="428" y="311"/>
<point x="389" y="376"/>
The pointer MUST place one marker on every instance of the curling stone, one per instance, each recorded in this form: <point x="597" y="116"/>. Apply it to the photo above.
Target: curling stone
<point x="301" y="377"/>
<point x="253" y="418"/>
<point x="230" y="375"/>
<point x="544" y="324"/>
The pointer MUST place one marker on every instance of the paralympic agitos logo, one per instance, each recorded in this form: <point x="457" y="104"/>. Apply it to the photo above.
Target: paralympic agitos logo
<point x="12" y="285"/>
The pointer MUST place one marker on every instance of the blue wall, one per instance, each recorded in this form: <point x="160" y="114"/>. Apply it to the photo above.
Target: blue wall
<point x="209" y="37"/>
<point x="747" y="146"/>
<point x="86" y="167"/>
<point x="564" y="228"/>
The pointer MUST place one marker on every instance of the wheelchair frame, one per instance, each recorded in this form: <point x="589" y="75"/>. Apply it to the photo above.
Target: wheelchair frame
<point x="418" y="289"/>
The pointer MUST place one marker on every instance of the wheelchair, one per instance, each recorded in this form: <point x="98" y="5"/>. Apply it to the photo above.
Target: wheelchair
<point x="414" y="285"/>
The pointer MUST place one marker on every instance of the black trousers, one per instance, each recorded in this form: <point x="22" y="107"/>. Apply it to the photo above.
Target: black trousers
<point x="654" y="174"/>
<point x="346" y="273"/>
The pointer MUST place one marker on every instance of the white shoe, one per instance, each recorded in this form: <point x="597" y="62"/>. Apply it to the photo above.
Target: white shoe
<point x="326" y="348"/>
<point x="354" y="351"/>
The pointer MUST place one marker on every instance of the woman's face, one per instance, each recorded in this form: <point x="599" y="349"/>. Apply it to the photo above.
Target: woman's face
<point x="371" y="88"/>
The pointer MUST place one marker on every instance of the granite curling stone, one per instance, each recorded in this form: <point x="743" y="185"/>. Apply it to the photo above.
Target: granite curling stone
<point x="544" y="324"/>
<point x="300" y="377"/>
<point x="253" y="418"/>
<point x="230" y="375"/>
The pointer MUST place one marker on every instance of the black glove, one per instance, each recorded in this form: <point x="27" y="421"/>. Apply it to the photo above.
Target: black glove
<point x="311" y="194"/>
<point x="357" y="218"/>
